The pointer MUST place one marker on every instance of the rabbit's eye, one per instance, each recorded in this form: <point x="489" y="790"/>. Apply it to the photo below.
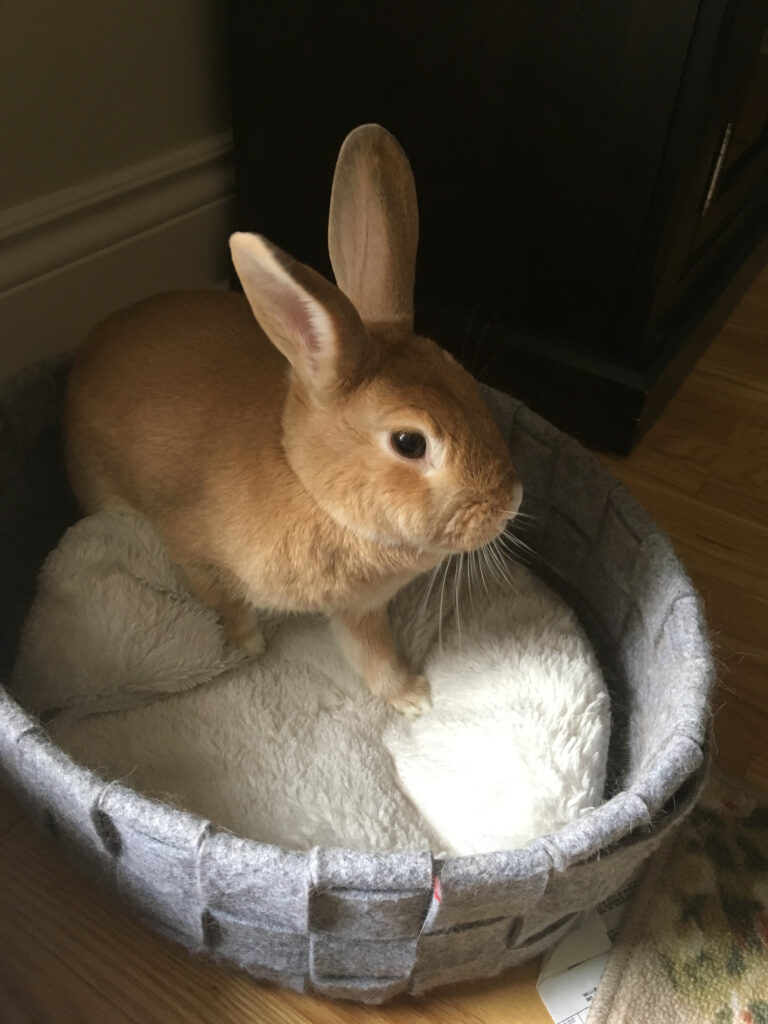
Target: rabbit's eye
<point x="409" y="445"/>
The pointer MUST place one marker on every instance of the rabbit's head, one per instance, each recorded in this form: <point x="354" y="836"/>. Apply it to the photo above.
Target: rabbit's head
<point x="386" y="431"/>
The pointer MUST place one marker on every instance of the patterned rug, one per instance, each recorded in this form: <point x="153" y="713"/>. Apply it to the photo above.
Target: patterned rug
<point x="694" y="947"/>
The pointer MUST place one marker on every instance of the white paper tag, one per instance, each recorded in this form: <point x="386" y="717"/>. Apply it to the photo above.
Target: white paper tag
<point x="571" y="970"/>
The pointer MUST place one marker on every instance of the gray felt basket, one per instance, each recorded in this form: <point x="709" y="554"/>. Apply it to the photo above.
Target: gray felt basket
<point x="369" y="926"/>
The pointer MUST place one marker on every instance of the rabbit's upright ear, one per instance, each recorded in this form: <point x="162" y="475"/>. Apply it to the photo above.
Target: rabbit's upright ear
<point x="304" y="316"/>
<point x="373" y="228"/>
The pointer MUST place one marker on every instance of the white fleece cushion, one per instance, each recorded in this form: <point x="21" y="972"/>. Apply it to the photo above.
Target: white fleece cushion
<point x="289" y="748"/>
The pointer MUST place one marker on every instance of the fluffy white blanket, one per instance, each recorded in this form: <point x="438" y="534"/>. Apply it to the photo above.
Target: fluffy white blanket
<point x="134" y="679"/>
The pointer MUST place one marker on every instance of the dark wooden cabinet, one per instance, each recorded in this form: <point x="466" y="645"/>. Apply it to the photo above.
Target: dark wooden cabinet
<point x="590" y="174"/>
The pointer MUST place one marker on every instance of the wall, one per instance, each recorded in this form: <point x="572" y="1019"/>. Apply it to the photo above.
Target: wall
<point x="115" y="163"/>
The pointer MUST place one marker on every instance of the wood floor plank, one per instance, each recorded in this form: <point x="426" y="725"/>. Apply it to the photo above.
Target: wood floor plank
<point x="750" y="437"/>
<point x="740" y="731"/>
<point x="10" y="812"/>
<point x="723" y="495"/>
<point x="712" y="392"/>
<point x="738" y="351"/>
<point x="751" y="312"/>
<point x="665" y="469"/>
<point x="685" y="419"/>
<point x="757" y="773"/>
<point x="742" y="471"/>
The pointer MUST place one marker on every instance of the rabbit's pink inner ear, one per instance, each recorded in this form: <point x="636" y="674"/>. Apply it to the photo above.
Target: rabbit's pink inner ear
<point x="296" y="323"/>
<point x="313" y="329"/>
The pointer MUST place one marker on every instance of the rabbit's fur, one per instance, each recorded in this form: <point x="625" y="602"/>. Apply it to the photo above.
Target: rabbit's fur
<point x="256" y="432"/>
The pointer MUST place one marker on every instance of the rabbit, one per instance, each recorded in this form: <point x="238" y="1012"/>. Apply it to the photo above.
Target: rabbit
<point x="298" y="448"/>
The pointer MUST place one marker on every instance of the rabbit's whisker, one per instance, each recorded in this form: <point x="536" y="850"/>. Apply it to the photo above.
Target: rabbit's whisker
<point x="457" y="593"/>
<point x="510" y="541"/>
<point x="500" y="564"/>
<point x="428" y="591"/>
<point x="470" y="577"/>
<point x="478" y="553"/>
<point x="442" y="597"/>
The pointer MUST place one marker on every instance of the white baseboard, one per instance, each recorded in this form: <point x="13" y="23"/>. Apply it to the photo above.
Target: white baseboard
<point x="70" y="258"/>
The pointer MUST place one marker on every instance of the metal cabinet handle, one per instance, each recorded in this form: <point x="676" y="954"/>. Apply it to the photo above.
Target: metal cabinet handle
<point x="717" y="169"/>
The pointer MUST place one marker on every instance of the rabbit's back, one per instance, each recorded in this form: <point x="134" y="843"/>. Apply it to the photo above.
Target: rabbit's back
<point x="165" y="394"/>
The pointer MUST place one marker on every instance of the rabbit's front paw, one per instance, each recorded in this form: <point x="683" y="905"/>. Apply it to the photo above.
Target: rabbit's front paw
<point x="413" y="699"/>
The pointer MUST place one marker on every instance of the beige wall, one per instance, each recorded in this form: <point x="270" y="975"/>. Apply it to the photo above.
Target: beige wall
<point x="90" y="86"/>
<point x="116" y="175"/>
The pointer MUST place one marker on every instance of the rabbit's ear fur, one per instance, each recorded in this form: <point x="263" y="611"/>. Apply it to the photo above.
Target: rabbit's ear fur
<point x="305" y="317"/>
<point x="373" y="226"/>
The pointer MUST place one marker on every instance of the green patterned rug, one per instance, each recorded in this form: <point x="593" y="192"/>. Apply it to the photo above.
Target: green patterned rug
<point x="694" y="947"/>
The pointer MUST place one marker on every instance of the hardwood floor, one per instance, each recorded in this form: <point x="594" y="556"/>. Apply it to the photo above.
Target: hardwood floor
<point x="68" y="955"/>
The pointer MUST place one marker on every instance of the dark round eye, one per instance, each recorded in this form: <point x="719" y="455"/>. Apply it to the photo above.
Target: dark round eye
<point x="408" y="444"/>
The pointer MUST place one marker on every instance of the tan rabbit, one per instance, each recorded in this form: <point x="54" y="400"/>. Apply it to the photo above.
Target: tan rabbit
<point x="299" y="449"/>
